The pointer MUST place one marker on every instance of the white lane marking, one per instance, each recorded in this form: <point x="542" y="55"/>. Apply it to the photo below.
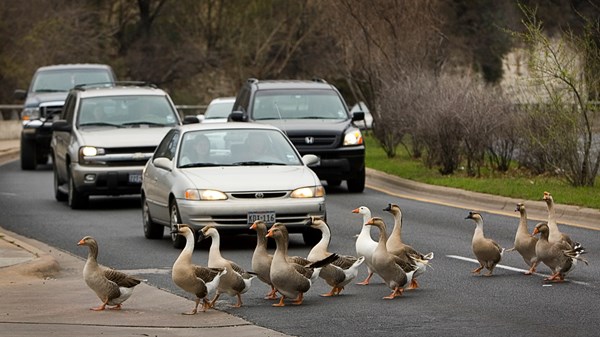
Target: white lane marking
<point x="457" y="257"/>
<point x="162" y="271"/>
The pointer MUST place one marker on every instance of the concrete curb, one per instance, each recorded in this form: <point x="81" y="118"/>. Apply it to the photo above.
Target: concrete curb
<point x="536" y="210"/>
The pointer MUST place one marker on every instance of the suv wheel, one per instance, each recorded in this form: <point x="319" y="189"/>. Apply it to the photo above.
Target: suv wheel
<point x="28" y="154"/>
<point x="58" y="194"/>
<point x="357" y="185"/>
<point x="178" y="240"/>
<point x="77" y="200"/>
<point x="152" y="230"/>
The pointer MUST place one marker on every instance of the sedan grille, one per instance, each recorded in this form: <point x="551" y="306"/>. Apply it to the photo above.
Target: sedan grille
<point x="258" y="195"/>
<point x="241" y="219"/>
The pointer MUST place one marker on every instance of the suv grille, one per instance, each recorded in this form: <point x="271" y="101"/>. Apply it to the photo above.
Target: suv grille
<point x="314" y="141"/>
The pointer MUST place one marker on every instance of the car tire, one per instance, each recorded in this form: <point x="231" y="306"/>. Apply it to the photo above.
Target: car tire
<point x="152" y="230"/>
<point x="178" y="240"/>
<point x="28" y="154"/>
<point x="58" y="195"/>
<point x="76" y="199"/>
<point x="357" y="185"/>
<point x="311" y="236"/>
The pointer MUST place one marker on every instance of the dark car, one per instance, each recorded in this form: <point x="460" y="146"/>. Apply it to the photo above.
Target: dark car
<point x="45" y="99"/>
<point x="315" y="117"/>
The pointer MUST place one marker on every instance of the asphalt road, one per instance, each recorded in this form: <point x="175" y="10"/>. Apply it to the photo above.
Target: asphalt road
<point x="450" y="302"/>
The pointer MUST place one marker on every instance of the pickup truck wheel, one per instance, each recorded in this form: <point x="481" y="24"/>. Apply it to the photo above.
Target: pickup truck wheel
<point x="357" y="185"/>
<point x="58" y="195"/>
<point x="28" y="154"/>
<point x="152" y="230"/>
<point x="178" y="240"/>
<point x="77" y="200"/>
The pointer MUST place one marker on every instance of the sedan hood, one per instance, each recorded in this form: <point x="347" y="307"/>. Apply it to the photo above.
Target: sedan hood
<point x="264" y="178"/>
<point x="125" y="137"/>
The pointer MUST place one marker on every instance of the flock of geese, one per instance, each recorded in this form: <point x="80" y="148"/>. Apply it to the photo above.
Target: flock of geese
<point x="397" y="263"/>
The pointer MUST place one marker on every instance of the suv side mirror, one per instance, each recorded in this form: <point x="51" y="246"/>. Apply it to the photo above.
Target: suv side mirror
<point x="358" y="116"/>
<point x="237" y="116"/>
<point x="61" y="125"/>
<point x="20" y="94"/>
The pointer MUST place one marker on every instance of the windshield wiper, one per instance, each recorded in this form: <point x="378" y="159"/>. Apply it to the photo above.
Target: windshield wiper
<point x="50" y="90"/>
<point x="256" y="163"/>
<point x="144" y="123"/>
<point x="201" y="165"/>
<point x="100" y="124"/>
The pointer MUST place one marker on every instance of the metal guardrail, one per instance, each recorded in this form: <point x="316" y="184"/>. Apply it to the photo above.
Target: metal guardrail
<point x="11" y="111"/>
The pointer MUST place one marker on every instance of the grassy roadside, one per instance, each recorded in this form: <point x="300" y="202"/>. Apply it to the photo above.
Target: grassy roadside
<point x="514" y="183"/>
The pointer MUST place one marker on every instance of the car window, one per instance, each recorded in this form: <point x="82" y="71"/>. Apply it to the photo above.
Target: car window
<point x="168" y="146"/>
<point x="307" y="104"/>
<point x="237" y="147"/>
<point x="126" y="111"/>
<point x="63" y="80"/>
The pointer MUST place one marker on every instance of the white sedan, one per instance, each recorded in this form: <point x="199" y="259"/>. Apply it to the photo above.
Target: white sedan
<point x="229" y="175"/>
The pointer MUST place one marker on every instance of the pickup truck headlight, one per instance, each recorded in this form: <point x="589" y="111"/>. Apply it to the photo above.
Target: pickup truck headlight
<point x="353" y="137"/>
<point x="30" y="113"/>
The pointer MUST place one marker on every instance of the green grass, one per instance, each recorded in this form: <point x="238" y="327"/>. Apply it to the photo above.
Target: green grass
<point x="515" y="183"/>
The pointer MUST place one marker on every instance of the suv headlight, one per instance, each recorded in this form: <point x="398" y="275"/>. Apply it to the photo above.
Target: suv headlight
<point x="30" y="113"/>
<point x="308" y="192"/>
<point x="353" y="137"/>
<point x="89" y="152"/>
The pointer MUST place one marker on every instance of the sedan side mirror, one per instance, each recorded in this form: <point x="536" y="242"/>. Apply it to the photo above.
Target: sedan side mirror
<point x="163" y="163"/>
<point x="237" y="116"/>
<point x="311" y="160"/>
<point x="358" y="116"/>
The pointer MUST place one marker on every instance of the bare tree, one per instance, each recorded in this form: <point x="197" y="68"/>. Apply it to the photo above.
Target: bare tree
<point x="563" y="127"/>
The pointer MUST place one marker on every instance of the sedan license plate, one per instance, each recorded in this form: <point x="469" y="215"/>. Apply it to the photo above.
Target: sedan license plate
<point x="135" y="178"/>
<point x="267" y="217"/>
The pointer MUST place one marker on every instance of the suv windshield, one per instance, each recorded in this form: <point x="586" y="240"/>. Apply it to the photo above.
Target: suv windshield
<point x="63" y="80"/>
<point x="126" y="111"/>
<point x="305" y="104"/>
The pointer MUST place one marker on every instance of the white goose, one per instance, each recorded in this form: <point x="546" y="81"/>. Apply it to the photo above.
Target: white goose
<point x="112" y="286"/>
<point x="192" y="278"/>
<point x="365" y="245"/>
<point x="233" y="283"/>
<point x="340" y="271"/>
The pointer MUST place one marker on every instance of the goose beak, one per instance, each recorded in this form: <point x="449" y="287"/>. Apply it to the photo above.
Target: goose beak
<point x="355" y="210"/>
<point x="309" y="222"/>
<point x="535" y="231"/>
<point x="80" y="243"/>
<point x="175" y="229"/>
<point x="269" y="233"/>
<point x="388" y="208"/>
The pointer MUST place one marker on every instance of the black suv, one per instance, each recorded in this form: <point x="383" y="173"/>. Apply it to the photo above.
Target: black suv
<point x="316" y="119"/>
<point x="44" y="101"/>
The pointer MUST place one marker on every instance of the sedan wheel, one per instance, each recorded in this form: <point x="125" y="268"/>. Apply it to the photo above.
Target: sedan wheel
<point x="178" y="240"/>
<point x="152" y="230"/>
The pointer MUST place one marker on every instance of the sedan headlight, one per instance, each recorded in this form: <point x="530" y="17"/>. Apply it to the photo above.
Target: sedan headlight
<point x="308" y="192"/>
<point x="192" y="194"/>
<point x="353" y="137"/>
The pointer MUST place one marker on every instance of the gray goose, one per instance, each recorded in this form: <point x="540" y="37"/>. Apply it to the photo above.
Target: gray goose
<point x="524" y="241"/>
<point x="396" y="246"/>
<point x="559" y="256"/>
<point x="339" y="272"/>
<point x="487" y="251"/>
<point x="192" y="278"/>
<point x="365" y="245"/>
<point x="111" y="286"/>
<point x="261" y="259"/>
<point x="236" y="280"/>
<point x="555" y="234"/>
<point x="387" y="265"/>
<point x="290" y="279"/>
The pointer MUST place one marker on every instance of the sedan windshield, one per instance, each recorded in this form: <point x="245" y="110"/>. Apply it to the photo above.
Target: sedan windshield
<point x="235" y="147"/>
